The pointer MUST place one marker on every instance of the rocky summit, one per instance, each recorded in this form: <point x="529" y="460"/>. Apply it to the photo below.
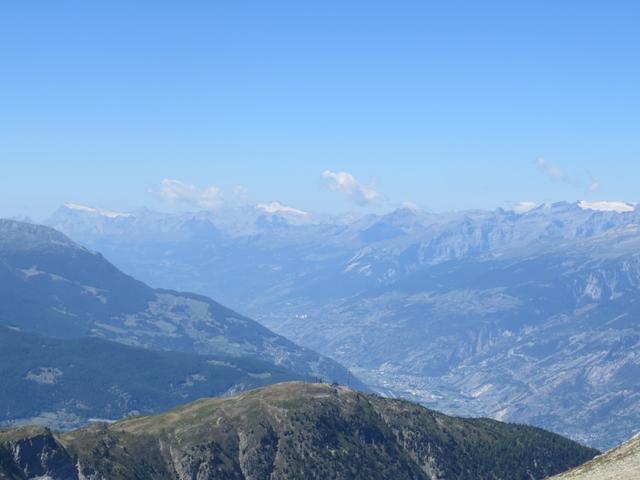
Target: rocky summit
<point x="291" y="431"/>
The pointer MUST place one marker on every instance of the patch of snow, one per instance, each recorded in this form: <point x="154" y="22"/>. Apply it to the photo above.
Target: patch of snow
<point x="604" y="206"/>
<point x="95" y="211"/>
<point x="277" y="207"/>
<point x="524" y="207"/>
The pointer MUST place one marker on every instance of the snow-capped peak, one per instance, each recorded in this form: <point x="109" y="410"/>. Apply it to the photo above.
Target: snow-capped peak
<point x="524" y="207"/>
<point x="95" y="211"/>
<point x="604" y="206"/>
<point x="277" y="207"/>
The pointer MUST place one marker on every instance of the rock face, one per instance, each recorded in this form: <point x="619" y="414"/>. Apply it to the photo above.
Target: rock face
<point x="620" y="463"/>
<point x="292" y="431"/>
<point x="34" y="453"/>
<point x="531" y="317"/>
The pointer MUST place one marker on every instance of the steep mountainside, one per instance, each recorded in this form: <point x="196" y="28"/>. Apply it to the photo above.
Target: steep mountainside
<point x="552" y="340"/>
<point x="525" y="317"/>
<point x="65" y="383"/>
<point x="51" y="286"/>
<point x="292" y="431"/>
<point x="620" y="463"/>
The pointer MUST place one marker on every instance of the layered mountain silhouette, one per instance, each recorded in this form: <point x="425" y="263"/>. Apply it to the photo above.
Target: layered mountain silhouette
<point x="519" y="316"/>
<point x="81" y="339"/>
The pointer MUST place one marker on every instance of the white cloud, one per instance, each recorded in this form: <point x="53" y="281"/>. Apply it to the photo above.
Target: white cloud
<point x="180" y="193"/>
<point x="523" y="207"/>
<point x="346" y="184"/>
<point x="551" y="170"/>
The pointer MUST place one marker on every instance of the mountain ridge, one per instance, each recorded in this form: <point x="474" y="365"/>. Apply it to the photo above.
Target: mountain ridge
<point x="52" y="287"/>
<point x="294" y="431"/>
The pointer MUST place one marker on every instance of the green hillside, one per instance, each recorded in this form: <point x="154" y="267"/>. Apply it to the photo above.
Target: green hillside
<point x="294" y="431"/>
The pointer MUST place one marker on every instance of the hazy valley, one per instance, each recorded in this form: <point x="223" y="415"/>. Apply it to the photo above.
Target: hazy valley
<point x="519" y="316"/>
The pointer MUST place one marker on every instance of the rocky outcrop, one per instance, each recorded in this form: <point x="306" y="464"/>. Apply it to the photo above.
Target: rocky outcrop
<point x="34" y="453"/>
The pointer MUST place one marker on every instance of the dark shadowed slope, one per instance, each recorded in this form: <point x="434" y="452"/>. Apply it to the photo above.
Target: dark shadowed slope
<point x="51" y="286"/>
<point x="65" y="383"/>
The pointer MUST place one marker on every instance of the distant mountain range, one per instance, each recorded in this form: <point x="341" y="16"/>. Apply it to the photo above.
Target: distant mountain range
<point x="528" y="317"/>
<point x="149" y="349"/>
<point x="291" y="431"/>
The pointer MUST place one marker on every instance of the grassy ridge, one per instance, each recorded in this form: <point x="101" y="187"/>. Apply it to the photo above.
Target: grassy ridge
<point x="314" y="431"/>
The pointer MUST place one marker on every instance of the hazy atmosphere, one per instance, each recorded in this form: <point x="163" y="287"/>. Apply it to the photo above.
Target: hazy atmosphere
<point x="319" y="240"/>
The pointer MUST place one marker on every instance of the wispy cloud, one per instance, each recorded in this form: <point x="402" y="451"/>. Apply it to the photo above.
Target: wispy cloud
<point x="551" y="170"/>
<point x="558" y="174"/>
<point x="346" y="184"/>
<point x="187" y="195"/>
<point x="594" y="185"/>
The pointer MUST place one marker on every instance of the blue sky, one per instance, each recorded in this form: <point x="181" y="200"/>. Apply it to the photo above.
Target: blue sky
<point x="448" y="105"/>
